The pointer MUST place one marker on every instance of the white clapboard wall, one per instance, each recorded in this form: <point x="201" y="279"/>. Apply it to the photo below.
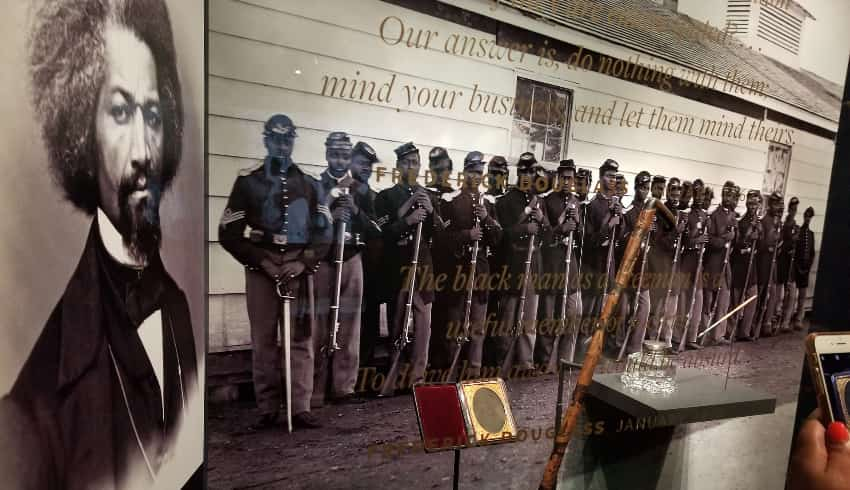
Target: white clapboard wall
<point x="270" y="56"/>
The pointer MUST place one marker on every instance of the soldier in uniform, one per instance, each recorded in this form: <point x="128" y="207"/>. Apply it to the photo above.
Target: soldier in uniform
<point x="584" y="179"/>
<point x="521" y="215"/>
<point x="664" y="244"/>
<point x="696" y="234"/>
<point x="437" y="183"/>
<point x="363" y="158"/>
<point x="604" y="219"/>
<point x="276" y="225"/>
<point x="561" y="210"/>
<point x="401" y="208"/>
<point x="803" y="260"/>
<point x="497" y="185"/>
<point x="633" y="302"/>
<point x="766" y="257"/>
<point x="787" y="254"/>
<point x="709" y="196"/>
<point x="349" y="208"/>
<point x="687" y="194"/>
<point x="470" y="218"/>
<point x="722" y="227"/>
<point x="745" y="244"/>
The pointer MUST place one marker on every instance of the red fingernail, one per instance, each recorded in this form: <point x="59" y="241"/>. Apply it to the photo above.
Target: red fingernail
<point x="837" y="433"/>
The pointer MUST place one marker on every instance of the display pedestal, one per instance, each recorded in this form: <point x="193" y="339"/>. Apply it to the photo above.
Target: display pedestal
<point x="637" y="440"/>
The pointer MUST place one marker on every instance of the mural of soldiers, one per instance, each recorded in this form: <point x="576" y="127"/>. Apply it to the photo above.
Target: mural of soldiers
<point x="767" y="255"/>
<point x="804" y="258"/>
<point x="633" y="302"/>
<point x="276" y="225"/>
<point x="745" y="285"/>
<point x="716" y="289"/>
<point x="349" y="208"/>
<point x="470" y="218"/>
<point x="401" y="208"/>
<point x="562" y="213"/>
<point x="784" y="262"/>
<point x="522" y="218"/>
<point x="695" y="237"/>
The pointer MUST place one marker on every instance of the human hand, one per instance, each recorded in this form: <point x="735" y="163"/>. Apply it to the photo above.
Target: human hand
<point x="568" y="226"/>
<point x="475" y="233"/>
<point x="821" y="456"/>
<point x="537" y="215"/>
<point x="417" y="216"/>
<point x="271" y="269"/>
<point x="341" y="213"/>
<point x="291" y="269"/>
<point x="480" y="211"/>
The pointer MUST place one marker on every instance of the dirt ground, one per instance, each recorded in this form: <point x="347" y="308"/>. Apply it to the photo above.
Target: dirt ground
<point x="363" y="446"/>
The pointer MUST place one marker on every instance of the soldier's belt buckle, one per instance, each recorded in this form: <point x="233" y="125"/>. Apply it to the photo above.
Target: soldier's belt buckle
<point x="279" y="239"/>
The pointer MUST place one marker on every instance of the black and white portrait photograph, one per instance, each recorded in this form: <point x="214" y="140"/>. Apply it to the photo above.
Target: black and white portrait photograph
<point x="102" y="340"/>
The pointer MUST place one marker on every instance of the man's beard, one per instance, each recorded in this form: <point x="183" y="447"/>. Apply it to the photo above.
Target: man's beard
<point x="139" y="217"/>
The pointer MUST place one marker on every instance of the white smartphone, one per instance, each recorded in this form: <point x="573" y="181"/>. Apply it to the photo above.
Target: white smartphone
<point x="828" y="356"/>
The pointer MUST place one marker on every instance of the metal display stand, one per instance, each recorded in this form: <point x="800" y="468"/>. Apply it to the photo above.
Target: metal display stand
<point x="642" y="444"/>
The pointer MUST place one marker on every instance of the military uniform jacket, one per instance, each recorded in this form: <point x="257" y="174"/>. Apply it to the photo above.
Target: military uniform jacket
<point x="804" y="257"/>
<point x="555" y="242"/>
<point x="769" y="240"/>
<point x="65" y="424"/>
<point x="398" y="240"/>
<point x="596" y="239"/>
<point x="454" y="243"/>
<point x="362" y="225"/>
<point x="742" y="248"/>
<point x="721" y="220"/>
<point x="790" y="231"/>
<point x="510" y="209"/>
<point x="698" y="224"/>
<point x="663" y="239"/>
<point x="269" y="212"/>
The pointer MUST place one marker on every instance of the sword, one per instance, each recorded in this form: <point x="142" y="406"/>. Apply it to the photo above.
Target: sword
<point x="284" y="293"/>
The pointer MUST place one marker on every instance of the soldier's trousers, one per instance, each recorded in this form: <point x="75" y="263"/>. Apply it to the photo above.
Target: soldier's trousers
<point x="627" y="306"/>
<point x="456" y="311"/>
<point x="788" y="302"/>
<point x="421" y="334"/>
<point x="720" y="309"/>
<point x="663" y="316"/>
<point x="342" y="367"/>
<point x="524" y="347"/>
<point x="688" y="326"/>
<point x="801" y="302"/>
<point x="263" y="314"/>
<point x="551" y="328"/>
<point x="748" y="314"/>
<point x="764" y="323"/>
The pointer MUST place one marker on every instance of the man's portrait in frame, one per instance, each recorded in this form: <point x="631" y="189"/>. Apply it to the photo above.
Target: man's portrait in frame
<point x="103" y="263"/>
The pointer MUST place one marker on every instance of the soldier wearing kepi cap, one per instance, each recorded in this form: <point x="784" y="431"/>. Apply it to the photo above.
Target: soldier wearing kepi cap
<point x="471" y="218"/>
<point x="604" y="220"/>
<point x="722" y="229"/>
<point x="694" y="239"/>
<point x="744" y="266"/>
<point x="497" y="176"/>
<point x="803" y="259"/>
<point x="561" y="208"/>
<point x="277" y="226"/>
<point x="439" y="170"/>
<point x="521" y="215"/>
<point x="363" y="158"/>
<point x="664" y="262"/>
<point x="634" y="302"/>
<point x="766" y="257"/>
<point x="400" y="209"/>
<point x="787" y="255"/>
<point x="338" y="369"/>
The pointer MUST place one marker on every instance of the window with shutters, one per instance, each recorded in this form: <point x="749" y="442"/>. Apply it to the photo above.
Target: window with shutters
<point x="541" y="121"/>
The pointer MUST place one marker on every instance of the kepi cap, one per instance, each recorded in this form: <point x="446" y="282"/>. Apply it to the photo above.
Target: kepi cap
<point x="279" y="124"/>
<point x="406" y="149"/>
<point x="363" y="148"/>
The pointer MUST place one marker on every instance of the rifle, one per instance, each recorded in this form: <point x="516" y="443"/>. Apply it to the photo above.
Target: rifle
<point x="470" y="289"/>
<point x="594" y="352"/>
<point x="697" y="275"/>
<point x="333" y="345"/>
<point x="566" y="292"/>
<point x="763" y="311"/>
<point x="715" y="300"/>
<point x="284" y="293"/>
<point x="610" y="259"/>
<point x="634" y="319"/>
<point x="404" y="337"/>
<point x="673" y="270"/>
<point x="505" y="370"/>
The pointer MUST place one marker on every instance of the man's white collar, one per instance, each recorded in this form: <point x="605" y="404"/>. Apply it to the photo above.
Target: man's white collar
<point x="113" y="242"/>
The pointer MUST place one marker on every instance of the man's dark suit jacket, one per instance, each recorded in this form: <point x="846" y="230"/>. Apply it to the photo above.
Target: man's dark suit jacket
<point x="65" y="424"/>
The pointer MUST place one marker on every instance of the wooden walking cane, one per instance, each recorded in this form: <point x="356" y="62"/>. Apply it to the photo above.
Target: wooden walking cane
<point x="594" y="352"/>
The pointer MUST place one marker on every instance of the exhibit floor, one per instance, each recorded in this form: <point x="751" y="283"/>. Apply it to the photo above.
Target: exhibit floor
<point x="372" y="445"/>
